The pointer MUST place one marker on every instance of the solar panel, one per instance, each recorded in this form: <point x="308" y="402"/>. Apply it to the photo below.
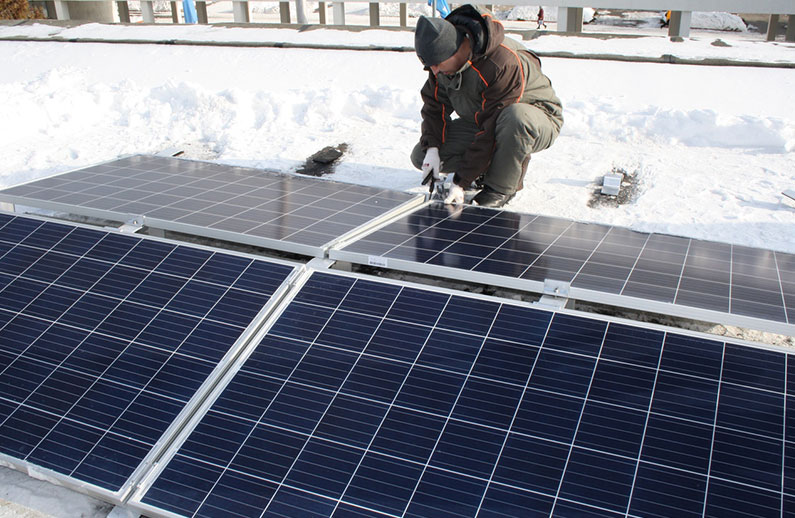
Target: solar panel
<point x="371" y="398"/>
<point x="104" y="340"/>
<point x="651" y="272"/>
<point x="250" y="206"/>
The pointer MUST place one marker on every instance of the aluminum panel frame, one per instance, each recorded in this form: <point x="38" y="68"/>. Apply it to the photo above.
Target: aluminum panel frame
<point x="197" y="230"/>
<point x="121" y="496"/>
<point x="135" y="500"/>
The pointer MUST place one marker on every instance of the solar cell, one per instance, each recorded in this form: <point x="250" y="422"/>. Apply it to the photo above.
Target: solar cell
<point x="439" y="404"/>
<point x="651" y="272"/>
<point x="250" y="206"/>
<point x="104" y="340"/>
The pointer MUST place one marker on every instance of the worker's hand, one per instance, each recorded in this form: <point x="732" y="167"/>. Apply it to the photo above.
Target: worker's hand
<point x="455" y="195"/>
<point x="431" y="166"/>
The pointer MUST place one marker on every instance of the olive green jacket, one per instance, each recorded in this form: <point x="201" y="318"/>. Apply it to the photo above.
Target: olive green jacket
<point x="500" y="72"/>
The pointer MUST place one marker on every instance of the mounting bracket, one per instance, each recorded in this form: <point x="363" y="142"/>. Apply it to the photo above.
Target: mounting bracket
<point x="131" y="226"/>
<point x="555" y="294"/>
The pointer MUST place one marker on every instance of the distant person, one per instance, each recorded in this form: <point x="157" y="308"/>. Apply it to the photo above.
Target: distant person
<point x="541" y="18"/>
<point x="666" y="19"/>
<point x="506" y="106"/>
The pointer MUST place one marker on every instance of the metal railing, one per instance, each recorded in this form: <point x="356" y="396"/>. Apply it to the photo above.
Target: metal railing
<point x="570" y="12"/>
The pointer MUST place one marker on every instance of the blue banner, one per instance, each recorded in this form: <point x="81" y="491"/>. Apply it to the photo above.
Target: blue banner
<point x="189" y="10"/>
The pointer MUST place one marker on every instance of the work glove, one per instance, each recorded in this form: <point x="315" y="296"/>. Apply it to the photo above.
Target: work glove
<point x="431" y="166"/>
<point x="455" y="195"/>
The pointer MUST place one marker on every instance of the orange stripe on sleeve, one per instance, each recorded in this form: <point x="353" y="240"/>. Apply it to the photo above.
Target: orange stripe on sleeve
<point x="519" y="61"/>
<point x="444" y="123"/>
<point x="480" y="75"/>
<point x="493" y="19"/>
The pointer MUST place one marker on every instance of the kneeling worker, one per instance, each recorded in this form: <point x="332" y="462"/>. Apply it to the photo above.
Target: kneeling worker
<point x="506" y="107"/>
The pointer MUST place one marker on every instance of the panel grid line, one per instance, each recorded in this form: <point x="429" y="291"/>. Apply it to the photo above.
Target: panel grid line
<point x="59" y="415"/>
<point x="262" y="415"/>
<point x="584" y="263"/>
<point x="334" y="397"/>
<point x="645" y="426"/>
<point x="54" y="283"/>
<point x="265" y="223"/>
<point x="635" y="264"/>
<point x="394" y="247"/>
<point x="479" y="225"/>
<point x="714" y="429"/>
<point x="111" y="263"/>
<point x="731" y="276"/>
<point x="781" y="287"/>
<point x="682" y="271"/>
<point x="679" y="276"/>
<point x="784" y="438"/>
<point x="513" y="419"/>
<point x="507" y="240"/>
<point x="107" y="335"/>
<point x="96" y="380"/>
<point x="492" y="444"/>
<point x="53" y="323"/>
<point x="163" y="364"/>
<point x="447" y="419"/>
<point x="81" y="423"/>
<point x="579" y="422"/>
<point x="391" y="404"/>
<point x="502" y="382"/>
<point x="264" y="208"/>
<point x="546" y="249"/>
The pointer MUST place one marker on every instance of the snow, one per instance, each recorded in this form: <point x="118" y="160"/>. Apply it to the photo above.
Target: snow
<point x="530" y="12"/>
<point x="717" y="21"/>
<point x="712" y="147"/>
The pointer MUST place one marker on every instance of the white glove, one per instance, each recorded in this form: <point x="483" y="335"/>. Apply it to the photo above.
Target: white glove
<point x="431" y="166"/>
<point x="455" y="195"/>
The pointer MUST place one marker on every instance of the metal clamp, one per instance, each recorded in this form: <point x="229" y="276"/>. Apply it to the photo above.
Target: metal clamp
<point x="555" y="294"/>
<point x="131" y="226"/>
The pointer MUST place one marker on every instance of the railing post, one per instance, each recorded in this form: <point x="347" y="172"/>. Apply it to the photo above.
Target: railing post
<point x="284" y="12"/>
<point x="404" y="15"/>
<point x="772" y="27"/>
<point x="321" y="12"/>
<point x="240" y="11"/>
<point x="679" y="25"/>
<point x="174" y="12"/>
<point x="300" y="12"/>
<point x="124" y="11"/>
<point x="57" y="10"/>
<point x="338" y="13"/>
<point x="201" y="11"/>
<point x="147" y="11"/>
<point x="570" y="19"/>
<point x="375" y="15"/>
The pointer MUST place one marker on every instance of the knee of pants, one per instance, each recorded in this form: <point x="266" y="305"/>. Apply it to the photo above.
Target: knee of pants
<point x="513" y="127"/>
<point x="417" y="156"/>
<point x="525" y="125"/>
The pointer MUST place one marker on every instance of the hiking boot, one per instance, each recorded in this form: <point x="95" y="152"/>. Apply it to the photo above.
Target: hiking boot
<point x="490" y="198"/>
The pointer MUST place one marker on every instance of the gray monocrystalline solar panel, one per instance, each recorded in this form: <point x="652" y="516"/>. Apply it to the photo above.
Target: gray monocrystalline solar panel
<point x="652" y="272"/>
<point x="373" y="399"/>
<point x="104" y="340"/>
<point x="250" y="206"/>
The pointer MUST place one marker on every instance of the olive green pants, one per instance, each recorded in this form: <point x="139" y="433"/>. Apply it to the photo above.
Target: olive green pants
<point x="522" y="129"/>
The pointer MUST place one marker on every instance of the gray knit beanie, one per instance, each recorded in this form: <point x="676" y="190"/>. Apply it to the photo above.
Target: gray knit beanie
<point x="436" y="40"/>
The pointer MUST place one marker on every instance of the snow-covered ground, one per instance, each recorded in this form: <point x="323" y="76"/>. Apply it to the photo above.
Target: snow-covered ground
<point x="712" y="147"/>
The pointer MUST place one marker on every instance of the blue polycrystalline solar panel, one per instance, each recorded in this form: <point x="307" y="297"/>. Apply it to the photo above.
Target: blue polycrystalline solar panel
<point x="291" y="213"/>
<point x="370" y="399"/>
<point x="105" y="337"/>
<point x="681" y="276"/>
